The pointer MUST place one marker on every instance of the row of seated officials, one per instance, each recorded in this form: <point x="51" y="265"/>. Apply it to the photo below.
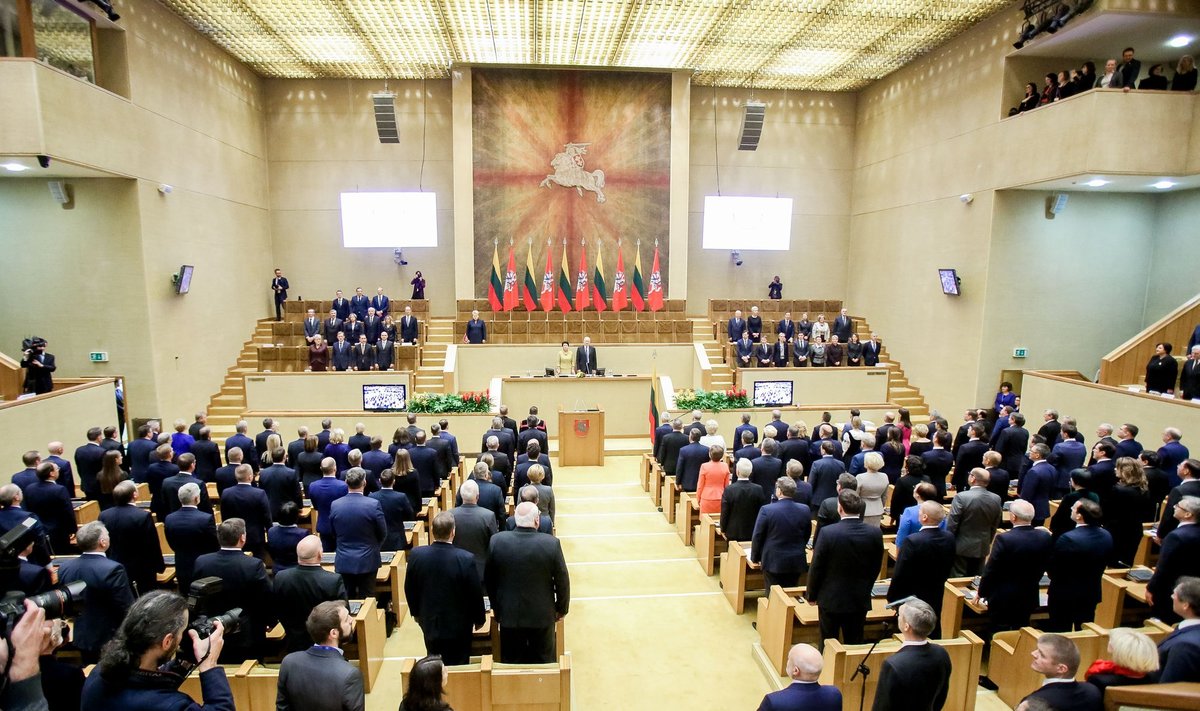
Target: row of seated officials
<point x="1117" y="75"/>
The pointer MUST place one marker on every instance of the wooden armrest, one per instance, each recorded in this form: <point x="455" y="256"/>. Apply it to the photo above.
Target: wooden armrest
<point x="1179" y="695"/>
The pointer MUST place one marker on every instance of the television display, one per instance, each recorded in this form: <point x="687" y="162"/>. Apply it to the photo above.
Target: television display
<point x="385" y="398"/>
<point x="949" y="279"/>
<point x="184" y="283"/>
<point x="772" y="393"/>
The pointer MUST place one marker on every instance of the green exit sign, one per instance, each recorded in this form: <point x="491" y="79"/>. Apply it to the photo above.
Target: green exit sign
<point x="1020" y="352"/>
<point x="98" y="357"/>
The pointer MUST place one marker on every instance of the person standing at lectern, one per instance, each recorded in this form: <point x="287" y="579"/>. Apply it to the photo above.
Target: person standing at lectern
<point x="279" y="285"/>
<point x="566" y="360"/>
<point x="585" y="357"/>
<point x="476" y="329"/>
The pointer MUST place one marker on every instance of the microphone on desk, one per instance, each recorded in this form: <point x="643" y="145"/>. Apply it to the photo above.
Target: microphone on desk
<point x="900" y="602"/>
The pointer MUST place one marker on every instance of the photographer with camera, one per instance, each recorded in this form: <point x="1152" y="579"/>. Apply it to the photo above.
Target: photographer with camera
<point x="21" y="689"/>
<point x="139" y="671"/>
<point x="38" y="364"/>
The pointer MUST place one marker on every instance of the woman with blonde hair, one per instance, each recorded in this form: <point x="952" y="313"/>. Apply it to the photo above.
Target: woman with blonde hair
<point x="1126" y="508"/>
<point x="1133" y="658"/>
<point x="1185" y="74"/>
<point x="406" y="480"/>
<point x="920" y="442"/>
<point x="872" y="484"/>
<point x="714" y="477"/>
<point x="710" y="435"/>
<point x="338" y="449"/>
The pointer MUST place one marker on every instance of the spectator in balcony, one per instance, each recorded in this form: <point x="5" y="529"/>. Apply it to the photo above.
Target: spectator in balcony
<point x="775" y="289"/>
<point x="318" y="355"/>
<point x="1129" y="68"/>
<point x="854" y="351"/>
<point x="1156" y="81"/>
<point x="1162" y="371"/>
<point x="1066" y="85"/>
<point x="1111" y="78"/>
<point x="816" y="352"/>
<point x="1050" y="90"/>
<point x="1185" y="74"/>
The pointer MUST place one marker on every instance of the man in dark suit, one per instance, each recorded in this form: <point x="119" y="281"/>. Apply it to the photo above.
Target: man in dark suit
<point x="51" y="503"/>
<point x="795" y="448"/>
<point x="843" y="326"/>
<point x="441" y="447"/>
<point x="1075" y="568"/>
<point x="226" y="476"/>
<point x="89" y="459"/>
<point x="39" y="366"/>
<point x="924" y="562"/>
<point x="324" y="434"/>
<point x="824" y="474"/>
<point x="245" y="585"/>
<point x="283" y="538"/>
<point x="917" y="676"/>
<point x="296" y="447"/>
<point x="444" y="593"/>
<point x="672" y="442"/>
<point x="1039" y="483"/>
<point x="364" y="354"/>
<point x="1012" y="443"/>
<point x="207" y="455"/>
<point x="340" y="305"/>
<point x="1057" y="658"/>
<point x="786" y="327"/>
<point x="740" y="504"/>
<point x="872" y="351"/>
<point x="140" y="451"/>
<point x="804" y="666"/>
<point x="691" y="458"/>
<point x="301" y="588"/>
<point x="1103" y="469"/>
<point x="845" y="564"/>
<point x="1129" y="68"/>
<point x="585" y="357"/>
<point x="474" y="525"/>
<point x="409" y="327"/>
<point x="736" y="326"/>
<point x="385" y="353"/>
<point x="1173" y="452"/>
<point x="1066" y="456"/>
<point x="169" y="492"/>
<point x="359" y="440"/>
<point x="66" y="472"/>
<point x="765" y="470"/>
<point x="342" y="356"/>
<point x="161" y="469"/>
<point x="779" y="542"/>
<point x="108" y="593"/>
<point x="190" y="533"/>
<point x="746" y="427"/>
<point x="396" y="510"/>
<point x="444" y="425"/>
<point x="975" y="514"/>
<point x="970" y="456"/>
<point x="746" y="449"/>
<point x="1180" y="557"/>
<point x="476" y="329"/>
<point x="530" y="494"/>
<point x="372" y="325"/>
<point x="28" y="475"/>
<point x="381" y="303"/>
<point x="244" y="443"/>
<point x="1179" y="652"/>
<point x="429" y="466"/>
<point x="938" y="462"/>
<point x="532" y="433"/>
<point x="744" y="351"/>
<point x="507" y="442"/>
<point x="279" y="285"/>
<point x="312" y="326"/>
<point x="359" y="303"/>
<point x="1051" y="427"/>
<point x="697" y="424"/>
<point x="280" y="482"/>
<point x="1127" y="444"/>
<point x="1014" y="570"/>
<point x="270" y="427"/>
<point x="375" y="459"/>
<point x="250" y="504"/>
<point x="331" y="326"/>
<point x="1189" y="375"/>
<point x="134" y="540"/>
<point x="1188" y="472"/>
<point x="529" y="588"/>
<point x="491" y="496"/>
<point x="319" y="678"/>
<point x="764" y="355"/>
<point x="361" y="529"/>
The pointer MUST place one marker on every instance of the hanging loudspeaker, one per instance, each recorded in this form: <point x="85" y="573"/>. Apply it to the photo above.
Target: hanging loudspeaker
<point x="752" y="125"/>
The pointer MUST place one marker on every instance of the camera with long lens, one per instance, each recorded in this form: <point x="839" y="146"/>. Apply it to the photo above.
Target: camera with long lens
<point x="29" y="344"/>
<point x="204" y="611"/>
<point x="58" y="603"/>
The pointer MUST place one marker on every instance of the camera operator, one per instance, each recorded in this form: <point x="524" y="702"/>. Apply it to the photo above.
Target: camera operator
<point x="38" y="364"/>
<point x="136" y="673"/>
<point x="29" y="639"/>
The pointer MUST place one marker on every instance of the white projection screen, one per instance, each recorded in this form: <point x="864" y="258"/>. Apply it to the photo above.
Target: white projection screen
<point x="389" y="220"/>
<point x="745" y="223"/>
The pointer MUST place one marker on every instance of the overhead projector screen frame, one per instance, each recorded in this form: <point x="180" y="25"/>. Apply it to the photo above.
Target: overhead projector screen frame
<point x="389" y="220"/>
<point x="745" y="223"/>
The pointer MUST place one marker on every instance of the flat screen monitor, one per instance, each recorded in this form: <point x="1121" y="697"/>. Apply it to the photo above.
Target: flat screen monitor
<point x="773" y="393"/>
<point x="385" y="398"/>
<point x="949" y="279"/>
<point x="184" y="283"/>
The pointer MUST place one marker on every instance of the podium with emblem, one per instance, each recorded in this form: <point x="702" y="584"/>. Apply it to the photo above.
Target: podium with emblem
<point x="581" y="437"/>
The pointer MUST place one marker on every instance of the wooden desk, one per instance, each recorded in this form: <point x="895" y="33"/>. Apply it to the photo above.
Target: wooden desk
<point x="842" y="661"/>
<point x="669" y="498"/>
<point x="656" y="483"/>
<point x="738" y="577"/>
<point x="501" y="687"/>
<point x="959" y="612"/>
<point x="1115" y="593"/>
<point x="687" y="516"/>
<point x="645" y="473"/>
<point x="581" y="438"/>
<point x="710" y="542"/>
<point x="236" y="674"/>
<point x="372" y="634"/>
<point x="1180" y="695"/>
<point x="786" y="618"/>
<point x="86" y="511"/>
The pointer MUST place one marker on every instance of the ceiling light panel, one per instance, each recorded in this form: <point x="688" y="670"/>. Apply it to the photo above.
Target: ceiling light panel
<point x="408" y="36"/>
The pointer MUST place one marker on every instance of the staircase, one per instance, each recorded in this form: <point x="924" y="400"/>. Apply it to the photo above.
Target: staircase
<point x="226" y="407"/>
<point x="439" y="334"/>
<point x="900" y="392"/>
<point x="722" y="374"/>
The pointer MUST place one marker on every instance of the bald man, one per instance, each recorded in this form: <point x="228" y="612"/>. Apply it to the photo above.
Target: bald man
<point x="298" y="590"/>
<point x="804" y="667"/>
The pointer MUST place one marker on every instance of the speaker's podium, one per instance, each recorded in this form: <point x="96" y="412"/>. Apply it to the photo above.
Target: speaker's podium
<point x="581" y="438"/>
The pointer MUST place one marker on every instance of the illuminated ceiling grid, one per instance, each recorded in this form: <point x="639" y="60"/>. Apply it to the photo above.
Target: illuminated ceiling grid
<point x="829" y="45"/>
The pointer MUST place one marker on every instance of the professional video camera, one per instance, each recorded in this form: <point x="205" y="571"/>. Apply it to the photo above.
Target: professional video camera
<point x="203" y="611"/>
<point x="57" y="603"/>
<point x="28" y="344"/>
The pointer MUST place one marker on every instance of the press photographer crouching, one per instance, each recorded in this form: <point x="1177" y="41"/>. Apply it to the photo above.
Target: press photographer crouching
<point x="139" y="669"/>
<point x="38" y="365"/>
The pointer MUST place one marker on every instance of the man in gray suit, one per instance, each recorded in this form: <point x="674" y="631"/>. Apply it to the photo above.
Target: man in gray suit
<point x="474" y="525"/>
<point x="974" y="517"/>
<point x="319" y="678"/>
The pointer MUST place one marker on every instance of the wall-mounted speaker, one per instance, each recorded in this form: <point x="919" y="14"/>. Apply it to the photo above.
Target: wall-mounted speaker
<point x="61" y="193"/>
<point x="385" y="117"/>
<point x="1055" y="204"/>
<point x="752" y="124"/>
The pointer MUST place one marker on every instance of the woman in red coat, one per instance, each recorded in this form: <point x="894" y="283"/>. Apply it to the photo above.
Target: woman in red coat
<point x="714" y="477"/>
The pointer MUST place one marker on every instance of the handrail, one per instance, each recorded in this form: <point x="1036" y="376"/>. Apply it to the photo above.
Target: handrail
<point x="91" y="383"/>
<point x="1125" y="364"/>
<point x="11" y="378"/>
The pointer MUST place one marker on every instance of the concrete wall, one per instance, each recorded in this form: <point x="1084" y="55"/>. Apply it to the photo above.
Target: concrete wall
<point x="64" y="416"/>
<point x="1092" y="404"/>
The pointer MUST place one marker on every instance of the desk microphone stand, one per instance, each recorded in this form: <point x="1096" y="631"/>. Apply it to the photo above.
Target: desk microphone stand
<point x="865" y="670"/>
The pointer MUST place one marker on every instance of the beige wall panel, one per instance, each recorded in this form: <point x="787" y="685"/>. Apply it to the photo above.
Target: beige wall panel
<point x="1093" y="404"/>
<point x="21" y="129"/>
<point x="275" y="392"/>
<point x="823" y="385"/>
<point x="477" y="365"/>
<point x="1176" y="261"/>
<point x="318" y="184"/>
<point x="64" y="417"/>
<point x="1157" y="116"/>
<point x="625" y="401"/>
<point x="813" y="191"/>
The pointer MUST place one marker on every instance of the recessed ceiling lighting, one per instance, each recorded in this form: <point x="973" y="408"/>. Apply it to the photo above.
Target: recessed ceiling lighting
<point x="14" y="167"/>
<point x="1180" y="41"/>
<point x="1163" y="184"/>
<point x="1097" y="183"/>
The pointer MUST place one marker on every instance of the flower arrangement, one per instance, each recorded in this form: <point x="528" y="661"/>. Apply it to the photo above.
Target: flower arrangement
<point x="450" y="402"/>
<point x="730" y="399"/>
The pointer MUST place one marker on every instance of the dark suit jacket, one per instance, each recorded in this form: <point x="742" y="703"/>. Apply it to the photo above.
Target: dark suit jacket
<point x="311" y="328"/>
<point x="474" y="527"/>
<point x="190" y="533"/>
<point x="585" y="362"/>
<point x="845" y="564"/>
<point x="319" y="679"/>
<point x="1037" y="486"/>
<point x="260" y="442"/>
<point x="443" y="590"/>
<point x="89" y="459"/>
<point x="208" y="459"/>
<point x="740" y="504"/>
<point x="250" y="504"/>
<point x="371" y="327"/>
<point x="224" y="478"/>
<point x="446" y="463"/>
<point x="52" y="504"/>
<point x="396" y="510"/>
<point x="381" y="304"/>
<point x="139" y="458"/>
<point x="810" y="697"/>
<point x="508" y="443"/>
<point x="282" y="485"/>
<point x="734" y="328"/>
<point x="249" y="450"/>
<point x="922" y="567"/>
<point x="135" y="544"/>
<point x="823" y="478"/>
<point x="780" y="538"/>
<point x="361" y="529"/>
<point x="364" y="357"/>
<point x="108" y="598"/>
<point x="938" y="463"/>
<point x="1076" y="566"/>
<point x="168" y="500"/>
<point x="32" y="579"/>
<point x="1179" y="656"/>
<point x="527" y="580"/>
<point x="1191" y="487"/>
<point x="281" y="544"/>
<point x="476" y="331"/>
<point x="245" y="586"/>
<point x="331" y="326"/>
<point x="1180" y="556"/>
<point x="409" y="329"/>
<point x="341" y="307"/>
<point x="342" y="357"/>
<point x="1189" y="379"/>
<point x="385" y="355"/>
<point x="1011" y="445"/>
<point x="1013" y="570"/>
<point x="970" y="456"/>
<point x="359" y="306"/>
<point x="765" y="471"/>
<point x="361" y="442"/>
<point x="1074" y="695"/>
<point x="429" y="468"/>
<point x="297" y="591"/>
<point x="532" y="434"/>
<point x="916" y="678"/>
<point x="66" y="473"/>
<point x="797" y="449"/>
<point x="668" y="453"/>
<point x="687" y="469"/>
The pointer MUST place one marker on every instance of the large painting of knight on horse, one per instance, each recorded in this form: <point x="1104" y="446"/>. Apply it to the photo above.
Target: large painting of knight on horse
<point x="581" y="156"/>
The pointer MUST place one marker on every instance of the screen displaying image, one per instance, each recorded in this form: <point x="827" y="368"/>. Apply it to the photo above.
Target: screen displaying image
<point x="949" y="279"/>
<point x="730" y="222"/>
<point x="385" y="398"/>
<point x="389" y="220"/>
<point x="770" y="393"/>
<point x="185" y="279"/>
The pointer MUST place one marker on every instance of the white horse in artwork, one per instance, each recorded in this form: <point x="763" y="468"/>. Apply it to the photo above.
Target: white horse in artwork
<point x="569" y="172"/>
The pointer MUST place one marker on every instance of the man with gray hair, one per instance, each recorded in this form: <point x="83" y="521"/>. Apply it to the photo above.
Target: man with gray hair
<point x="500" y="461"/>
<point x="780" y="537"/>
<point x="474" y="525"/>
<point x="1189" y="375"/>
<point x="529" y="588"/>
<point x="804" y="666"/>
<point x="917" y="677"/>
<point x="190" y="533"/>
<point x="1012" y="575"/>
<point x="1180" y="557"/>
<point x="533" y="496"/>
<point x="504" y="439"/>
<point x="668" y="449"/>
<point x="109" y="596"/>
<point x="491" y="496"/>
<point x="243" y="442"/>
